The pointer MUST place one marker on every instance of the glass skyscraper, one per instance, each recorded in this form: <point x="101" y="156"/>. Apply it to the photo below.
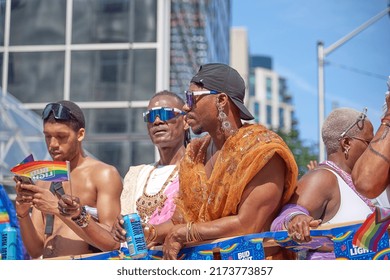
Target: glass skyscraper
<point x="109" y="56"/>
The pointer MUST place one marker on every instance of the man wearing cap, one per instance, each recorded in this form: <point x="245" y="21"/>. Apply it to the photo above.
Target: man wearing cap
<point x="48" y="231"/>
<point x="234" y="180"/>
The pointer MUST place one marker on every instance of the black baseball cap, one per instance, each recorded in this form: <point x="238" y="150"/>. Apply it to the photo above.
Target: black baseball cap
<point x="223" y="78"/>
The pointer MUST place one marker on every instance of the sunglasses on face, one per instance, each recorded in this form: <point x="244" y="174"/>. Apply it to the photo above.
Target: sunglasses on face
<point x="59" y="111"/>
<point x="365" y="141"/>
<point x="164" y="113"/>
<point x="190" y="100"/>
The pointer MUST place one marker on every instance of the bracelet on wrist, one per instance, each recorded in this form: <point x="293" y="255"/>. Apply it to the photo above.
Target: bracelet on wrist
<point x="290" y="216"/>
<point x="386" y="123"/>
<point x="150" y="233"/>
<point x="83" y="219"/>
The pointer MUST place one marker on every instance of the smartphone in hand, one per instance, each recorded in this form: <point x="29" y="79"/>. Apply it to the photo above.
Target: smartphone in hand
<point x="24" y="179"/>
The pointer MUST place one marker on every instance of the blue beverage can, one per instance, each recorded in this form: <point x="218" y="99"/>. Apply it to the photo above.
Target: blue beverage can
<point x="8" y="243"/>
<point x="135" y="237"/>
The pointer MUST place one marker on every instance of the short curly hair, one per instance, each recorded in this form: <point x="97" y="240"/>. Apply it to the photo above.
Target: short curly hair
<point x="336" y="123"/>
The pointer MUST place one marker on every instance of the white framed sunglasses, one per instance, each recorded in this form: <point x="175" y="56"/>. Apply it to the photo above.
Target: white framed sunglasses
<point x="190" y="100"/>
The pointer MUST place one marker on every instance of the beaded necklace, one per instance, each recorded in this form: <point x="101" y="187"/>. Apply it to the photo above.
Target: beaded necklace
<point x="146" y="203"/>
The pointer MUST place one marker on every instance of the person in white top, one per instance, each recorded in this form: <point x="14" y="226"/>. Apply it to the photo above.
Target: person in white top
<point x="326" y="193"/>
<point x="149" y="190"/>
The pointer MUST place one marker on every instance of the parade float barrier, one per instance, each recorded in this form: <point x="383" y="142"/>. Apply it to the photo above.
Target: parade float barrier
<point x="337" y="238"/>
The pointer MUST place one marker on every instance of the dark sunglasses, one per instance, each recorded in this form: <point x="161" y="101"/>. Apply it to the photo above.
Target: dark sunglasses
<point x="164" y="113"/>
<point x="190" y="100"/>
<point x="365" y="141"/>
<point x="59" y="111"/>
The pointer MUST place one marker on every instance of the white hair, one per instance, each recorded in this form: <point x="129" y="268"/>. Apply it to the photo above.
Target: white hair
<point x="336" y="123"/>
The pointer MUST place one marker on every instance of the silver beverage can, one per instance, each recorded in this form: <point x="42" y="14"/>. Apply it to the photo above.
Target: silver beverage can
<point x="8" y="243"/>
<point x="135" y="237"/>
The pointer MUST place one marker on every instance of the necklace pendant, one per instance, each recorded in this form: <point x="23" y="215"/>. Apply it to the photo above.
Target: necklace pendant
<point x="147" y="204"/>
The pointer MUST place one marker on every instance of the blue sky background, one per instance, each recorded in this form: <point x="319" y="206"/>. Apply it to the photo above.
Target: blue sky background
<point x="288" y="31"/>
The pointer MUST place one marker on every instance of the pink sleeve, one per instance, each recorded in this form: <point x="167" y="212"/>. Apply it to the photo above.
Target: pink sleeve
<point x="169" y="207"/>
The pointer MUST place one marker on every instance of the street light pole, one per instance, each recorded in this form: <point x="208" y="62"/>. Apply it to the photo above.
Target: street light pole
<point x="321" y="54"/>
<point x="321" y="97"/>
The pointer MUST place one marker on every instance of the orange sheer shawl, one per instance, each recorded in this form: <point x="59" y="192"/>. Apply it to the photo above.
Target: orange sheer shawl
<point x="204" y="199"/>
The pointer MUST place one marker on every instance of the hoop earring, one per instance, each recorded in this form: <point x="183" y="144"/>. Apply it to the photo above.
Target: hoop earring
<point x="222" y="117"/>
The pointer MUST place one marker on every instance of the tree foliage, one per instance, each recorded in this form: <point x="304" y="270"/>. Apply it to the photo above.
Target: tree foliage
<point x="303" y="152"/>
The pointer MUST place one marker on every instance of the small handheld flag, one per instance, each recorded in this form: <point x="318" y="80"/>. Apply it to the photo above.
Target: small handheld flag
<point x="29" y="158"/>
<point x="54" y="171"/>
<point x="372" y="230"/>
<point x="24" y="179"/>
<point x="70" y="184"/>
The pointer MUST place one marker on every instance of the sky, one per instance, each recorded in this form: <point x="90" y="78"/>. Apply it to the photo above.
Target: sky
<point x="356" y="71"/>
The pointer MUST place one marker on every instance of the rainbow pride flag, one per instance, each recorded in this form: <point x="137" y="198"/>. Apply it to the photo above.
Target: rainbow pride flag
<point x="4" y="217"/>
<point x="29" y="158"/>
<point x="45" y="170"/>
<point x="372" y="230"/>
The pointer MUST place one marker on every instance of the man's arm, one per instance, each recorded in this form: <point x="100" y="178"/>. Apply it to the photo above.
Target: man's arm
<point x="109" y="188"/>
<point x="316" y="193"/>
<point x="260" y="201"/>
<point x="31" y="226"/>
<point x="370" y="173"/>
<point x="315" y="190"/>
<point x="32" y="240"/>
<point x="108" y="204"/>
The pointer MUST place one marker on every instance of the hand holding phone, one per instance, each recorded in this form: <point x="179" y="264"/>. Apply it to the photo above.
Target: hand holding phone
<point x="24" y="179"/>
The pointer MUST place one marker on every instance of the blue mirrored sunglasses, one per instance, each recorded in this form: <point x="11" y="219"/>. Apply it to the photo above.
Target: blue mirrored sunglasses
<point x="164" y="113"/>
<point x="59" y="111"/>
<point x="190" y="100"/>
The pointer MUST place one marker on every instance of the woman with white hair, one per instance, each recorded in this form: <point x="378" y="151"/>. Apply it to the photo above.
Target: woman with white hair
<point x="326" y="194"/>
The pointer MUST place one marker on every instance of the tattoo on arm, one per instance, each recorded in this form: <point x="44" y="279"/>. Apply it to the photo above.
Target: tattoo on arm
<point x="379" y="154"/>
<point x="382" y="137"/>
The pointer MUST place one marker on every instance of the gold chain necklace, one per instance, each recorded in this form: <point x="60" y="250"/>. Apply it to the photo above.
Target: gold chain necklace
<point x="146" y="203"/>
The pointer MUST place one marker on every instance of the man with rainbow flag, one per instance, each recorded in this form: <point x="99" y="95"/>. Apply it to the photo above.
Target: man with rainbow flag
<point x="46" y="231"/>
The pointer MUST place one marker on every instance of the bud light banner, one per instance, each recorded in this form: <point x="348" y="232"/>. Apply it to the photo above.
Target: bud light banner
<point x="247" y="247"/>
<point x="345" y="250"/>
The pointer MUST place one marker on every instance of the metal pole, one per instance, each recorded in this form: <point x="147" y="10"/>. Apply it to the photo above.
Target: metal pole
<point x="321" y="54"/>
<point x="353" y="33"/>
<point x="321" y="98"/>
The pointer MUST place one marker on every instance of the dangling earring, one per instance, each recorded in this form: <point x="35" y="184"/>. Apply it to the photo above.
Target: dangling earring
<point x="346" y="151"/>
<point x="222" y="117"/>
